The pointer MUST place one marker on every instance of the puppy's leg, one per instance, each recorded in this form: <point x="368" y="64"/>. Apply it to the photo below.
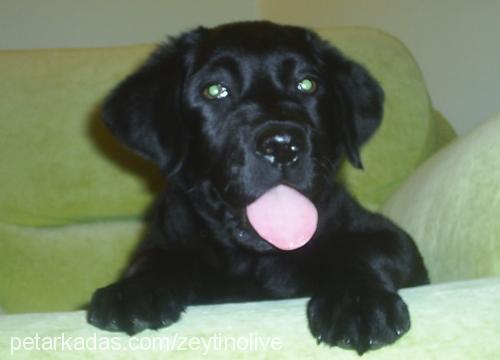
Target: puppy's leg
<point x="154" y="292"/>
<point x="358" y="306"/>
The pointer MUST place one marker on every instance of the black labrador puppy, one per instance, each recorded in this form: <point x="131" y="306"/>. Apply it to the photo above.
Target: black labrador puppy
<point x="250" y="122"/>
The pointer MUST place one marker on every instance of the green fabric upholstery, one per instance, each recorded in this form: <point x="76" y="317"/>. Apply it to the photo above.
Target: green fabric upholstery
<point x="444" y="131"/>
<point x="450" y="321"/>
<point x="58" y="164"/>
<point x="69" y="188"/>
<point x="451" y="206"/>
<point x="58" y="268"/>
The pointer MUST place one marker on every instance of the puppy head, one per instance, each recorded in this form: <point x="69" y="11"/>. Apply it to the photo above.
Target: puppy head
<point x="247" y="107"/>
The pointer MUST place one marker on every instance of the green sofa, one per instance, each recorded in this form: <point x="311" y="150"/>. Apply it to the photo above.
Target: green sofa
<point x="72" y="202"/>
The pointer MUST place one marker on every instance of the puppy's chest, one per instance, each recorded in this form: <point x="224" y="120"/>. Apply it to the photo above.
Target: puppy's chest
<point x="274" y="276"/>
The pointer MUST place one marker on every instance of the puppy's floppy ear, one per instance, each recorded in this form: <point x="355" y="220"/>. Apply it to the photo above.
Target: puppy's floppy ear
<point x="360" y="102"/>
<point x="144" y="111"/>
<point x="365" y="99"/>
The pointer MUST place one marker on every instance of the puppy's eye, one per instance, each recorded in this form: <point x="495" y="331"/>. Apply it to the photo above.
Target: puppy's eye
<point x="307" y="85"/>
<point x="215" y="91"/>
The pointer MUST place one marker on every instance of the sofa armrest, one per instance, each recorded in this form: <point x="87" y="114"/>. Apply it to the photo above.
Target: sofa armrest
<point x="450" y="206"/>
<point x="449" y="321"/>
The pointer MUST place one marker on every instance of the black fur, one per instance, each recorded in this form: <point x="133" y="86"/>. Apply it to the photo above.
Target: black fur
<point x="200" y="248"/>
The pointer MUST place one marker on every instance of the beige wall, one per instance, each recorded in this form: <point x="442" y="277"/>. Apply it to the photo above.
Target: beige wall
<point x="456" y="43"/>
<point x="86" y="23"/>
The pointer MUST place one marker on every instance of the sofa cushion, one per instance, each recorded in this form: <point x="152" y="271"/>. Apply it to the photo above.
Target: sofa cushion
<point x="451" y="206"/>
<point x="410" y="131"/>
<point x="59" y="165"/>
<point x="58" y="268"/>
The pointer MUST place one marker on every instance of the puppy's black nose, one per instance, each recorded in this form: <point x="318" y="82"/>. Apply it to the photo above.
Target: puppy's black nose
<point x="281" y="146"/>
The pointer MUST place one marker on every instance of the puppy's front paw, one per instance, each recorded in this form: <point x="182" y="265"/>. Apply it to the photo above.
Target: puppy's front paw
<point x="132" y="306"/>
<point x="358" y="319"/>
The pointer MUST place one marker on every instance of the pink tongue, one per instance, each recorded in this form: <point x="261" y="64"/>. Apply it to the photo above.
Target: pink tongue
<point x="284" y="217"/>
